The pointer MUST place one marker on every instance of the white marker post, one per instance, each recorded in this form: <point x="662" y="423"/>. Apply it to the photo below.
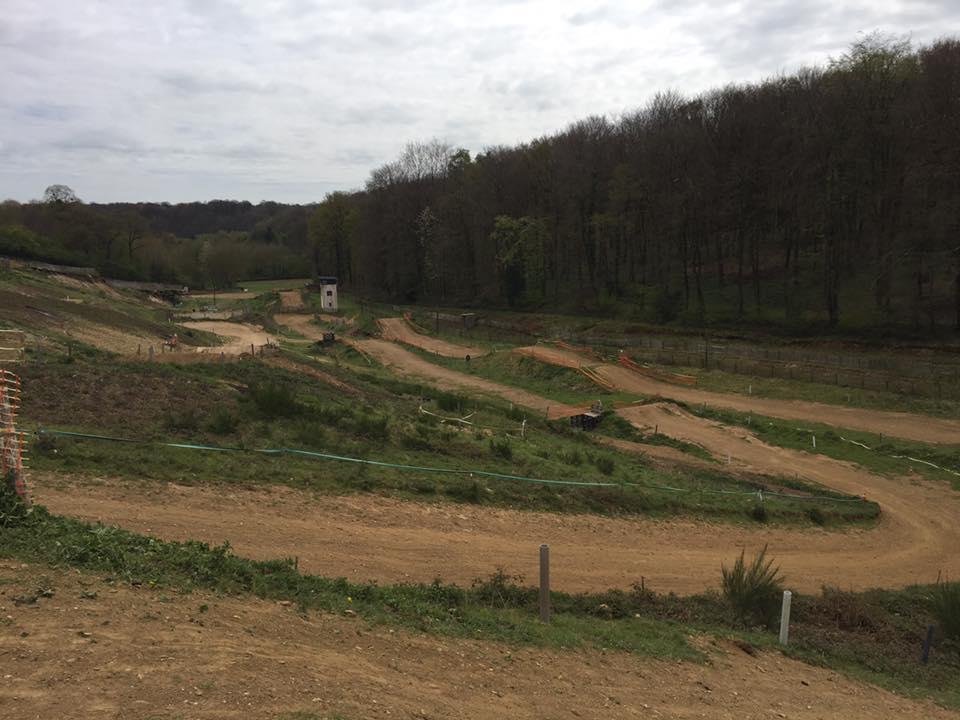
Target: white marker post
<point x="785" y="617"/>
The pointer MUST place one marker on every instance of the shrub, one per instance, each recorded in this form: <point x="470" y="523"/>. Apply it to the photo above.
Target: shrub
<point x="449" y="402"/>
<point x="573" y="458"/>
<point x="817" y="516"/>
<point x="223" y="421"/>
<point x="753" y="591"/>
<point x="604" y="465"/>
<point x="759" y="512"/>
<point x="501" y="448"/>
<point x="274" y="400"/>
<point x="945" y="605"/>
<point x="372" y="427"/>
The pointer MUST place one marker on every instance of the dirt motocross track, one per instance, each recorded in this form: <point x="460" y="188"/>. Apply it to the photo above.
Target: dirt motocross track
<point x="895" y="424"/>
<point x="138" y="653"/>
<point x="398" y="330"/>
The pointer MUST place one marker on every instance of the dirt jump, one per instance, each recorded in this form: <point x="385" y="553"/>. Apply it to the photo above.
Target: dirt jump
<point x="291" y="300"/>
<point x="893" y="424"/>
<point x="149" y="655"/>
<point x="238" y="337"/>
<point x="399" y="330"/>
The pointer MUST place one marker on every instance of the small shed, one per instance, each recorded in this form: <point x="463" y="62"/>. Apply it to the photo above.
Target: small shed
<point x="589" y="419"/>
<point x="327" y="287"/>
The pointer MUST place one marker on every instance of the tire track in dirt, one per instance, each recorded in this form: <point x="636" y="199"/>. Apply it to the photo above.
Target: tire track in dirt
<point x="908" y="426"/>
<point x="398" y="330"/>
<point x="366" y="537"/>
<point x="151" y="656"/>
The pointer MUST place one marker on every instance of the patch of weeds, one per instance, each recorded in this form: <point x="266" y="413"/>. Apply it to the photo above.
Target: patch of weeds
<point x="945" y="605"/>
<point x="187" y="421"/>
<point x="274" y="400"/>
<point x="753" y="590"/>
<point x="759" y="513"/>
<point x="223" y="421"/>
<point x="501" y="448"/>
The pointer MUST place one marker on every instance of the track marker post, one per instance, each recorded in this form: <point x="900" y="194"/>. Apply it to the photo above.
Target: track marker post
<point x="785" y="617"/>
<point x="545" y="583"/>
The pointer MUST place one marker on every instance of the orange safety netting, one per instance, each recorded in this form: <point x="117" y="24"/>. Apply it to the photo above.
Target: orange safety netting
<point x="13" y="444"/>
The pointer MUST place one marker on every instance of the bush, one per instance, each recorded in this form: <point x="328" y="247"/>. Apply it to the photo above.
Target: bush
<point x="501" y="448"/>
<point x="753" y="591"/>
<point x="573" y="458"/>
<point x="817" y="516"/>
<point x="759" y="512"/>
<point x="223" y="422"/>
<point x="274" y="400"/>
<point x="449" y="402"/>
<point x="945" y="605"/>
<point x="604" y="465"/>
<point x="372" y="427"/>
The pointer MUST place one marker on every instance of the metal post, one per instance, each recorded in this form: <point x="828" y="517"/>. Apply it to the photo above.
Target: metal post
<point x="926" y="645"/>
<point x="545" y="583"/>
<point x="785" y="617"/>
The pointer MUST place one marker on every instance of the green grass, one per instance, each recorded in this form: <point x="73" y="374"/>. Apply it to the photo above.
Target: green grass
<point x="250" y="405"/>
<point x="261" y="286"/>
<point x="782" y="389"/>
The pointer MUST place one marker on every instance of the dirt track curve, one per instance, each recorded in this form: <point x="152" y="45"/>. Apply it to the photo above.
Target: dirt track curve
<point x="895" y="424"/>
<point x="914" y="539"/>
<point x="398" y="330"/>
<point x="134" y="652"/>
<point x="239" y="336"/>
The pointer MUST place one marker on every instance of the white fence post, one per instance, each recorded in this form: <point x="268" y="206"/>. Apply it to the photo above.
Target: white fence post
<point x="785" y="617"/>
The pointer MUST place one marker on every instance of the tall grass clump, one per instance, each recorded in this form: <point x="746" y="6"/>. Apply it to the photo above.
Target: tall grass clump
<point x="274" y="400"/>
<point x="945" y="605"/>
<point x="753" y="589"/>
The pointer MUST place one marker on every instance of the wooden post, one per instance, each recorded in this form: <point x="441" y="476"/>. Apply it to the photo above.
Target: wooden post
<point x="150" y="352"/>
<point x="545" y="583"/>
<point x="785" y="617"/>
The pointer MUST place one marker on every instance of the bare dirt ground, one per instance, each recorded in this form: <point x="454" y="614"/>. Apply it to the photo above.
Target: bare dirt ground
<point x="291" y="300"/>
<point x="300" y="323"/>
<point x="135" y="652"/>
<point x="239" y="336"/>
<point x="367" y="537"/>
<point x="406" y="363"/>
<point x="398" y="330"/>
<point x="894" y="424"/>
<point x="223" y="296"/>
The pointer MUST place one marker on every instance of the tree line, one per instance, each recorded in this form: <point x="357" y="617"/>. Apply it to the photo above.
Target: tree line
<point x="214" y="244"/>
<point x="829" y="197"/>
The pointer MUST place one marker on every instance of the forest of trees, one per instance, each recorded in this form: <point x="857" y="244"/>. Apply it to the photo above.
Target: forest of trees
<point x="829" y="198"/>
<point x="826" y="198"/>
<point x="214" y="244"/>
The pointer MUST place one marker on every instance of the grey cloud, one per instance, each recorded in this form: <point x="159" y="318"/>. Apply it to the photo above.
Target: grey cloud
<point x="288" y="99"/>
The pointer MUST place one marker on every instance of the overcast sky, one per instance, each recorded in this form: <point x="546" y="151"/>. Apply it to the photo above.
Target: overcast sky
<point x="289" y="99"/>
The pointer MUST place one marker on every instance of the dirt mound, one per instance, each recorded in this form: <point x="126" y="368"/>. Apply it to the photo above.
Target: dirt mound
<point x="406" y="363"/>
<point x="398" y="330"/>
<point x="301" y="323"/>
<point x="151" y="653"/>
<point x="894" y="424"/>
<point x="291" y="300"/>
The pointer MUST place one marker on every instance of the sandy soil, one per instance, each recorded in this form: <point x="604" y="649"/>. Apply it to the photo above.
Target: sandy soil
<point x="406" y="363"/>
<point x="374" y="538"/>
<point x="238" y="336"/>
<point x="301" y="323"/>
<point x="895" y="424"/>
<point x="138" y="653"/>
<point x="398" y="330"/>
<point x="291" y="300"/>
